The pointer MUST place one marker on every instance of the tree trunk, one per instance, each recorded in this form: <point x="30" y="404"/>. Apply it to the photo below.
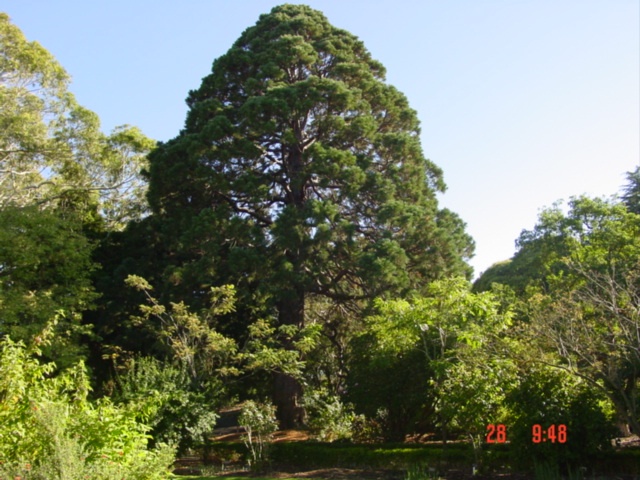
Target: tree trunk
<point x="287" y="397"/>
<point x="627" y="420"/>
<point x="288" y="391"/>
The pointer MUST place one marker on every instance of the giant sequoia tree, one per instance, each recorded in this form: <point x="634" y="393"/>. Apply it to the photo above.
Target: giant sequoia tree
<point x="300" y="172"/>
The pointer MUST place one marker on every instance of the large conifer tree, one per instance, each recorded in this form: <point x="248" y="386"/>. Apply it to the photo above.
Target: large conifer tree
<point x="300" y="172"/>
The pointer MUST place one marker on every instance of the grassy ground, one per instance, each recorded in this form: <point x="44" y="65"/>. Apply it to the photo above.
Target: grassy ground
<point x="310" y="460"/>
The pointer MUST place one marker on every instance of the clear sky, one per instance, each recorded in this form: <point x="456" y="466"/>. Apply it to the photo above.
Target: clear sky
<point x="522" y="102"/>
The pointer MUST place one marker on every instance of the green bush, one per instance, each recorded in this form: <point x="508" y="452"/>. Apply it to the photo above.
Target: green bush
<point x="390" y="387"/>
<point x="259" y="422"/>
<point x="552" y="397"/>
<point x="178" y="411"/>
<point x="367" y="430"/>
<point x="49" y="430"/>
<point x="328" y="418"/>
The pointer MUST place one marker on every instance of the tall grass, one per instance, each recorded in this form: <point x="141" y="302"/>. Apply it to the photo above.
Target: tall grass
<point x="421" y="471"/>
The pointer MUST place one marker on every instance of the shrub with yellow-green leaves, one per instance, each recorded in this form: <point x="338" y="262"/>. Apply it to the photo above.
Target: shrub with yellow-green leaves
<point x="49" y="429"/>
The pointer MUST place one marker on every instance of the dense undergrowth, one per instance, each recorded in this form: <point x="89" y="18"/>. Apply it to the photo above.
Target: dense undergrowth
<point x="51" y="430"/>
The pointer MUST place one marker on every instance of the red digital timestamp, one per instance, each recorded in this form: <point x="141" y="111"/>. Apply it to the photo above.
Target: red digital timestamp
<point x="496" y="433"/>
<point x="553" y="434"/>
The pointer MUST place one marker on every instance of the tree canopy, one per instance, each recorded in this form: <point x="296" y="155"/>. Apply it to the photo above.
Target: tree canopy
<point x="63" y="183"/>
<point x="296" y="152"/>
<point x="300" y="171"/>
<point x="576" y="274"/>
<point x="52" y="152"/>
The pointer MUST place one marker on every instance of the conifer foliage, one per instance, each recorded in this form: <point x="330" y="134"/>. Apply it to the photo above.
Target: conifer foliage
<point x="300" y="172"/>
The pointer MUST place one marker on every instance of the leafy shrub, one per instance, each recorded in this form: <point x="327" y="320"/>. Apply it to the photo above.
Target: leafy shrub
<point x="178" y="411"/>
<point x="259" y="422"/>
<point x="328" y="418"/>
<point x="49" y="430"/>
<point x="396" y="383"/>
<point x="367" y="430"/>
<point x="551" y="397"/>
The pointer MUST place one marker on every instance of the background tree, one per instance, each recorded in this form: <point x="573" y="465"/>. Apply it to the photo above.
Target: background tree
<point x="45" y="272"/>
<point x="52" y="152"/>
<point x="631" y="191"/>
<point x="63" y="185"/>
<point x="33" y="93"/>
<point x="536" y="259"/>
<point x="419" y="356"/>
<point x="299" y="171"/>
<point x="581" y="296"/>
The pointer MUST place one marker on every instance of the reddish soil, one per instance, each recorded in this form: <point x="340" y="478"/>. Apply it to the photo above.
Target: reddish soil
<point x="234" y="434"/>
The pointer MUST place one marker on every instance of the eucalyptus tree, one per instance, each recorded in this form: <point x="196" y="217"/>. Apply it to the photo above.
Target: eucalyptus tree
<point x="299" y="172"/>
<point x="52" y="151"/>
<point x="62" y="180"/>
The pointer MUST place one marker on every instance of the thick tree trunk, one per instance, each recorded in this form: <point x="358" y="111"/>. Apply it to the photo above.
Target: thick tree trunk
<point x="288" y="391"/>
<point x="287" y="397"/>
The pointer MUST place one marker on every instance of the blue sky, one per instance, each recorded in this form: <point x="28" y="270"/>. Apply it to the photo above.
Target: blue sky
<point x="522" y="102"/>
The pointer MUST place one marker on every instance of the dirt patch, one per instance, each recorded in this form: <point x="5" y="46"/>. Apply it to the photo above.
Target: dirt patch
<point x="344" y="474"/>
<point x="234" y="434"/>
<point x="291" y="436"/>
<point x="356" y="474"/>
